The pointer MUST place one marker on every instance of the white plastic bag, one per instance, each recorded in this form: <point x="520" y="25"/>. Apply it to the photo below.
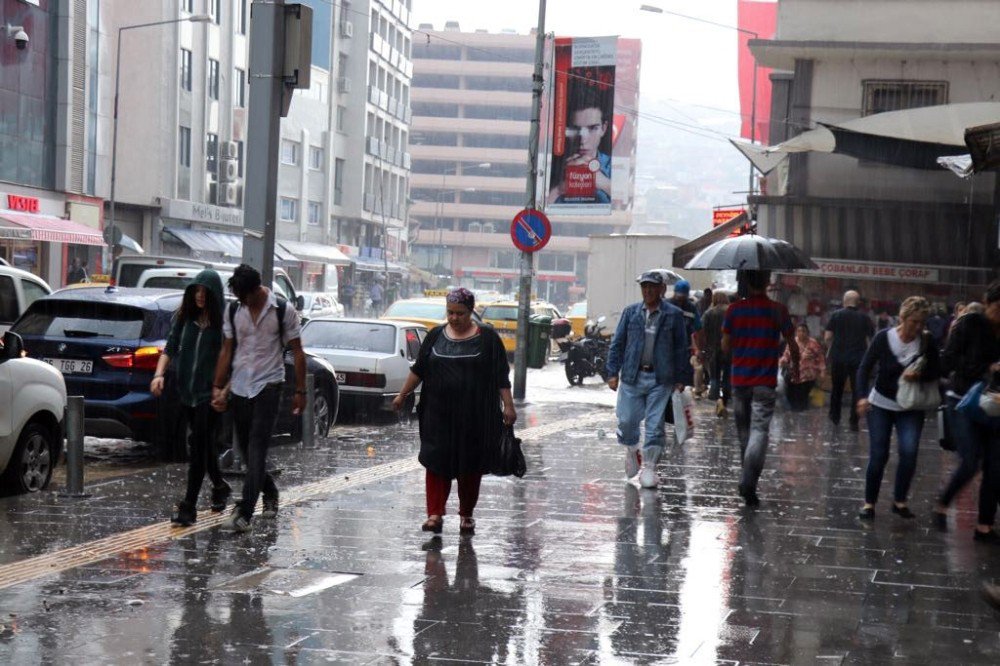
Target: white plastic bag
<point x="683" y="406"/>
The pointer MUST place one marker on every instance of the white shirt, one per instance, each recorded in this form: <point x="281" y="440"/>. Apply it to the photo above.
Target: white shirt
<point x="259" y="359"/>
<point x="904" y="352"/>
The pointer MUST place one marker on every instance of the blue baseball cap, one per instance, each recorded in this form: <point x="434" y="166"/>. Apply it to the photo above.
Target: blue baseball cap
<point x="682" y="287"/>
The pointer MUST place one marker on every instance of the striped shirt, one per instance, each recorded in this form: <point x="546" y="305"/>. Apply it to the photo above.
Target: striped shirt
<point x="755" y="327"/>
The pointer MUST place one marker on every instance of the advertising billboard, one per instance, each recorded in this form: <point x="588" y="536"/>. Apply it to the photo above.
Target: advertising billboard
<point x="582" y="125"/>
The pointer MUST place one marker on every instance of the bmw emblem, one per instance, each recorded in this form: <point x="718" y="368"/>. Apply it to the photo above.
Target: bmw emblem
<point x="62" y="347"/>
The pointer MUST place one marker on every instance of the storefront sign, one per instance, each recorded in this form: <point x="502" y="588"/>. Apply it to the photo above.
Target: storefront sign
<point x="875" y="271"/>
<point x="24" y="204"/>
<point x="190" y="211"/>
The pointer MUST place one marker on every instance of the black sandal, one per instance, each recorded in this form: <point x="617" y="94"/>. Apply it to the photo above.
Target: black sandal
<point x="433" y="524"/>
<point x="468" y="525"/>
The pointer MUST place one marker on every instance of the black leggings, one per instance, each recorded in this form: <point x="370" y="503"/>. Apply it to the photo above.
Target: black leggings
<point x="203" y="422"/>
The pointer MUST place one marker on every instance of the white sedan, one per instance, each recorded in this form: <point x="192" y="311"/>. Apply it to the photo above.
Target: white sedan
<point x="320" y="304"/>
<point x="372" y="357"/>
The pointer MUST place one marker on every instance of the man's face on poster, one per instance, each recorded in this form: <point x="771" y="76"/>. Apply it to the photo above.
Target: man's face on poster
<point x="589" y="127"/>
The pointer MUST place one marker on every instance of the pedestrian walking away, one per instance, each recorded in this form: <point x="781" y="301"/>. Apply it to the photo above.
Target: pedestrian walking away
<point x="972" y="354"/>
<point x="812" y="366"/>
<point x="681" y="299"/>
<point x="847" y="336"/>
<point x="375" y="295"/>
<point x="193" y="346"/>
<point x="719" y="363"/>
<point x="752" y="333"/>
<point x="905" y="351"/>
<point x="648" y="359"/>
<point x="249" y="374"/>
<point x="465" y="401"/>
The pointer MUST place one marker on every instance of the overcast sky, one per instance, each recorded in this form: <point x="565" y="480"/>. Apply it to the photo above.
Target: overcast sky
<point x="681" y="59"/>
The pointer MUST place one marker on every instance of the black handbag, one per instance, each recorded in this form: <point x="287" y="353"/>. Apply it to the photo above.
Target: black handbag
<point x="509" y="457"/>
<point x="945" y="438"/>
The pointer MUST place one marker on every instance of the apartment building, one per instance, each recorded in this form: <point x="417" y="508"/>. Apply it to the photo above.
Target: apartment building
<point x="471" y="117"/>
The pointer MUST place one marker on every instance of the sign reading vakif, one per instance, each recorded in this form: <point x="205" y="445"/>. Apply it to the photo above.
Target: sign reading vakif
<point x="875" y="271"/>
<point x="530" y="230"/>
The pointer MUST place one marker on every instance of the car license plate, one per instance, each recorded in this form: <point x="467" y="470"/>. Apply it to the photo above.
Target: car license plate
<point x="341" y="378"/>
<point x="71" y="366"/>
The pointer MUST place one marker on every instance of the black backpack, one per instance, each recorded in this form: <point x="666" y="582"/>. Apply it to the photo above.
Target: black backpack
<point x="282" y="306"/>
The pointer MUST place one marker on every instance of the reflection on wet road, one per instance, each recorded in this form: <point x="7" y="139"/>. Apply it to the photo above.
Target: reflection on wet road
<point x="569" y="565"/>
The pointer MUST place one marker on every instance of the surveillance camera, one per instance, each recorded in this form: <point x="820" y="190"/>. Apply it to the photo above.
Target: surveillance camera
<point x="21" y="39"/>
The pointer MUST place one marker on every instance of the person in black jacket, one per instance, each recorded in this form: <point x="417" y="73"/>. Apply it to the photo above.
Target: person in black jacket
<point x="891" y="355"/>
<point x="972" y="354"/>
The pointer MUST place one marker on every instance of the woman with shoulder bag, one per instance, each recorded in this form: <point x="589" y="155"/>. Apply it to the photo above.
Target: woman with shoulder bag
<point x="972" y="354"/>
<point x="464" y="371"/>
<point x="903" y="353"/>
<point x="194" y="344"/>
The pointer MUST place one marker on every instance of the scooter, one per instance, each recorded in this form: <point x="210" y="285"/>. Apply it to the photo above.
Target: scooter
<point x="587" y="356"/>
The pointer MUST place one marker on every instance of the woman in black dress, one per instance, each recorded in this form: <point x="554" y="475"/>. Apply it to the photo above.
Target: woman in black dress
<point x="464" y="372"/>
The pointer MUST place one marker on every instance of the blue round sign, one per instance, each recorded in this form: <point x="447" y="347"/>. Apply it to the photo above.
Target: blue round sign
<point x="530" y="230"/>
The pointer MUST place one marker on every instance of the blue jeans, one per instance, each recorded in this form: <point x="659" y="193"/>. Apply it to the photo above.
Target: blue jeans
<point x="753" y="407"/>
<point x="909" y="425"/>
<point x="643" y="401"/>
<point x="973" y="443"/>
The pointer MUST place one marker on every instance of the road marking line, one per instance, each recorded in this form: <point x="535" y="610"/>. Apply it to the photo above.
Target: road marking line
<point x="39" y="566"/>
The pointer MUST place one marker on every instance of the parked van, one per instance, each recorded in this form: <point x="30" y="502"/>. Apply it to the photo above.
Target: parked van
<point x="177" y="272"/>
<point x="18" y="290"/>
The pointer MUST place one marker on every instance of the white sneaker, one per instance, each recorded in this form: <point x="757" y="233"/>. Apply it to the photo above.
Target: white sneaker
<point x="633" y="459"/>
<point x="235" y="522"/>
<point x="647" y="477"/>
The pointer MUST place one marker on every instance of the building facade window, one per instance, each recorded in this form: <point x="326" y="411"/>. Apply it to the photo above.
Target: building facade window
<point x="315" y="213"/>
<point x="184" y="147"/>
<point x="185" y="70"/>
<point x="212" y="152"/>
<point x="341" y="118"/>
<point x="289" y="209"/>
<point x="240" y="13"/>
<point x="881" y="96"/>
<point x="239" y="88"/>
<point x="289" y="152"/>
<point x="338" y="181"/>
<point x="239" y="158"/>
<point x="213" y="10"/>
<point x="213" y="78"/>
<point x="315" y="157"/>
<point x="187" y="6"/>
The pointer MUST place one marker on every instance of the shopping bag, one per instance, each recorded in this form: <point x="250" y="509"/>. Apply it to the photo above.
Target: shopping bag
<point x="509" y="458"/>
<point x="683" y="408"/>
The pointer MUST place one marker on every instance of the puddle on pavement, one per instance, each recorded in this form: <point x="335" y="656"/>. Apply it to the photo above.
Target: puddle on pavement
<point x="287" y="582"/>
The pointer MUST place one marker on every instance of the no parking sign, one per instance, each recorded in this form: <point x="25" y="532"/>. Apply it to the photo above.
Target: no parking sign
<point x="530" y="230"/>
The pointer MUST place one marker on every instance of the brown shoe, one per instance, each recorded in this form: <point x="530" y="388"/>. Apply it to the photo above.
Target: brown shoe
<point x="433" y="524"/>
<point x="468" y="525"/>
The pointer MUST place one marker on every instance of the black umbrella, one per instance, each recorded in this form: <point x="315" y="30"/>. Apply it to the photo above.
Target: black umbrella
<point x="751" y="252"/>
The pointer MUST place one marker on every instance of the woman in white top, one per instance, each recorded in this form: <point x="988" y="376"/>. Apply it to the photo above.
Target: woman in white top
<point x="889" y="356"/>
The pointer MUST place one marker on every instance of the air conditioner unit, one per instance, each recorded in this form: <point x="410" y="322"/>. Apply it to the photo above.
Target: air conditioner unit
<point x="229" y="194"/>
<point x="228" y="170"/>
<point x="228" y="150"/>
<point x="344" y="84"/>
<point x="346" y="29"/>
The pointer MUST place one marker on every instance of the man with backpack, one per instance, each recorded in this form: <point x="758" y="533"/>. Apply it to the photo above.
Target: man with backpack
<point x="251" y="368"/>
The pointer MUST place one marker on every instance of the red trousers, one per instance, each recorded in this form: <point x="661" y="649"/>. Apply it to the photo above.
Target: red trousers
<point x="438" y="488"/>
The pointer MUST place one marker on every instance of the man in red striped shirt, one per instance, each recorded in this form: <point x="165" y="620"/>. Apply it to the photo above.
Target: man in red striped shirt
<point x="752" y="333"/>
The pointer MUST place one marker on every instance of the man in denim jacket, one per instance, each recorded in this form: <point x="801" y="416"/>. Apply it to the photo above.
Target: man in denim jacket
<point x="650" y="353"/>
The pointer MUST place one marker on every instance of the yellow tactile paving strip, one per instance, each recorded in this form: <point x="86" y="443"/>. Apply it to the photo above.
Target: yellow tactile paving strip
<point x="143" y="537"/>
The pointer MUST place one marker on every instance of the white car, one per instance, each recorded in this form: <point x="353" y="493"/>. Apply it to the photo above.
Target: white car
<point x="320" y="304"/>
<point x="18" y="290"/>
<point x="371" y="357"/>
<point x="32" y="405"/>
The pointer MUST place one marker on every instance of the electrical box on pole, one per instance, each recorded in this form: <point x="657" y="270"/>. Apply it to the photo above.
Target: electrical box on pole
<point x="297" y="65"/>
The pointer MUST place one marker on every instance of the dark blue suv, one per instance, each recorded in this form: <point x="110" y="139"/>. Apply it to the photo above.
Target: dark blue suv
<point x="107" y="342"/>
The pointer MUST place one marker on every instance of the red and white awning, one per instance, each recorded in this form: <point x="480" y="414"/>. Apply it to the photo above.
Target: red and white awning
<point x="28" y="226"/>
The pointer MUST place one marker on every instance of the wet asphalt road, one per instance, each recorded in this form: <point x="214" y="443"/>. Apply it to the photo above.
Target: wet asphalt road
<point x="570" y="565"/>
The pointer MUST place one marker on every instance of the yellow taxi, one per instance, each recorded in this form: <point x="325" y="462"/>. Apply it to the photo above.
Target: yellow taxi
<point x="429" y="311"/>
<point x="577" y="316"/>
<point x="502" y="316"/>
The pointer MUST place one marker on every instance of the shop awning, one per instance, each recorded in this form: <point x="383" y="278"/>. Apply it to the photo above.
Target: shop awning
<point x="375" y="265"/>
<point x="47" y="228"/>
<point x="230" y="246"/>
<point x="323" y="254"/>
<point x="684" y="253"/>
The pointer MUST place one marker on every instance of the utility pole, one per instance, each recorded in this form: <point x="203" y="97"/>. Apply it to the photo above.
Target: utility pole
<point x="527" y="267"/>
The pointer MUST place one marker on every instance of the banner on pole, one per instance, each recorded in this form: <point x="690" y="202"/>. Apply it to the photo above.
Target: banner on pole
<point x="583" y="105"/>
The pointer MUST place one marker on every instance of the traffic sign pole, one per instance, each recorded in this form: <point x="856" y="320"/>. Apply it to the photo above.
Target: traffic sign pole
<point x="527" y="268"/>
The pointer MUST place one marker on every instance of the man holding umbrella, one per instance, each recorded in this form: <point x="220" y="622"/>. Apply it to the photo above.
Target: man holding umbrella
<point x="650" y="352"/>
<point x="752" y="333"/>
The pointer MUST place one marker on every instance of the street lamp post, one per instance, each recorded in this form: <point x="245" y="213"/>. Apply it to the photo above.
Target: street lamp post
<point x="111" y="227"/>
<point x="753" y="95"/>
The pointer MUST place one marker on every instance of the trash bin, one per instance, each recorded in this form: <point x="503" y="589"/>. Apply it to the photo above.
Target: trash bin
<point x="539" y="330"/>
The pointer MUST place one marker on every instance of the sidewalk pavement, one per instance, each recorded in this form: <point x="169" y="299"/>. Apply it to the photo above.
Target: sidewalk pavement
<point x="569" y="565"/>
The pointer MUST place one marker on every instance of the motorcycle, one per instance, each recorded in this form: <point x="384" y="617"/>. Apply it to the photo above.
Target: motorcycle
<point x="585" y="357"/>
